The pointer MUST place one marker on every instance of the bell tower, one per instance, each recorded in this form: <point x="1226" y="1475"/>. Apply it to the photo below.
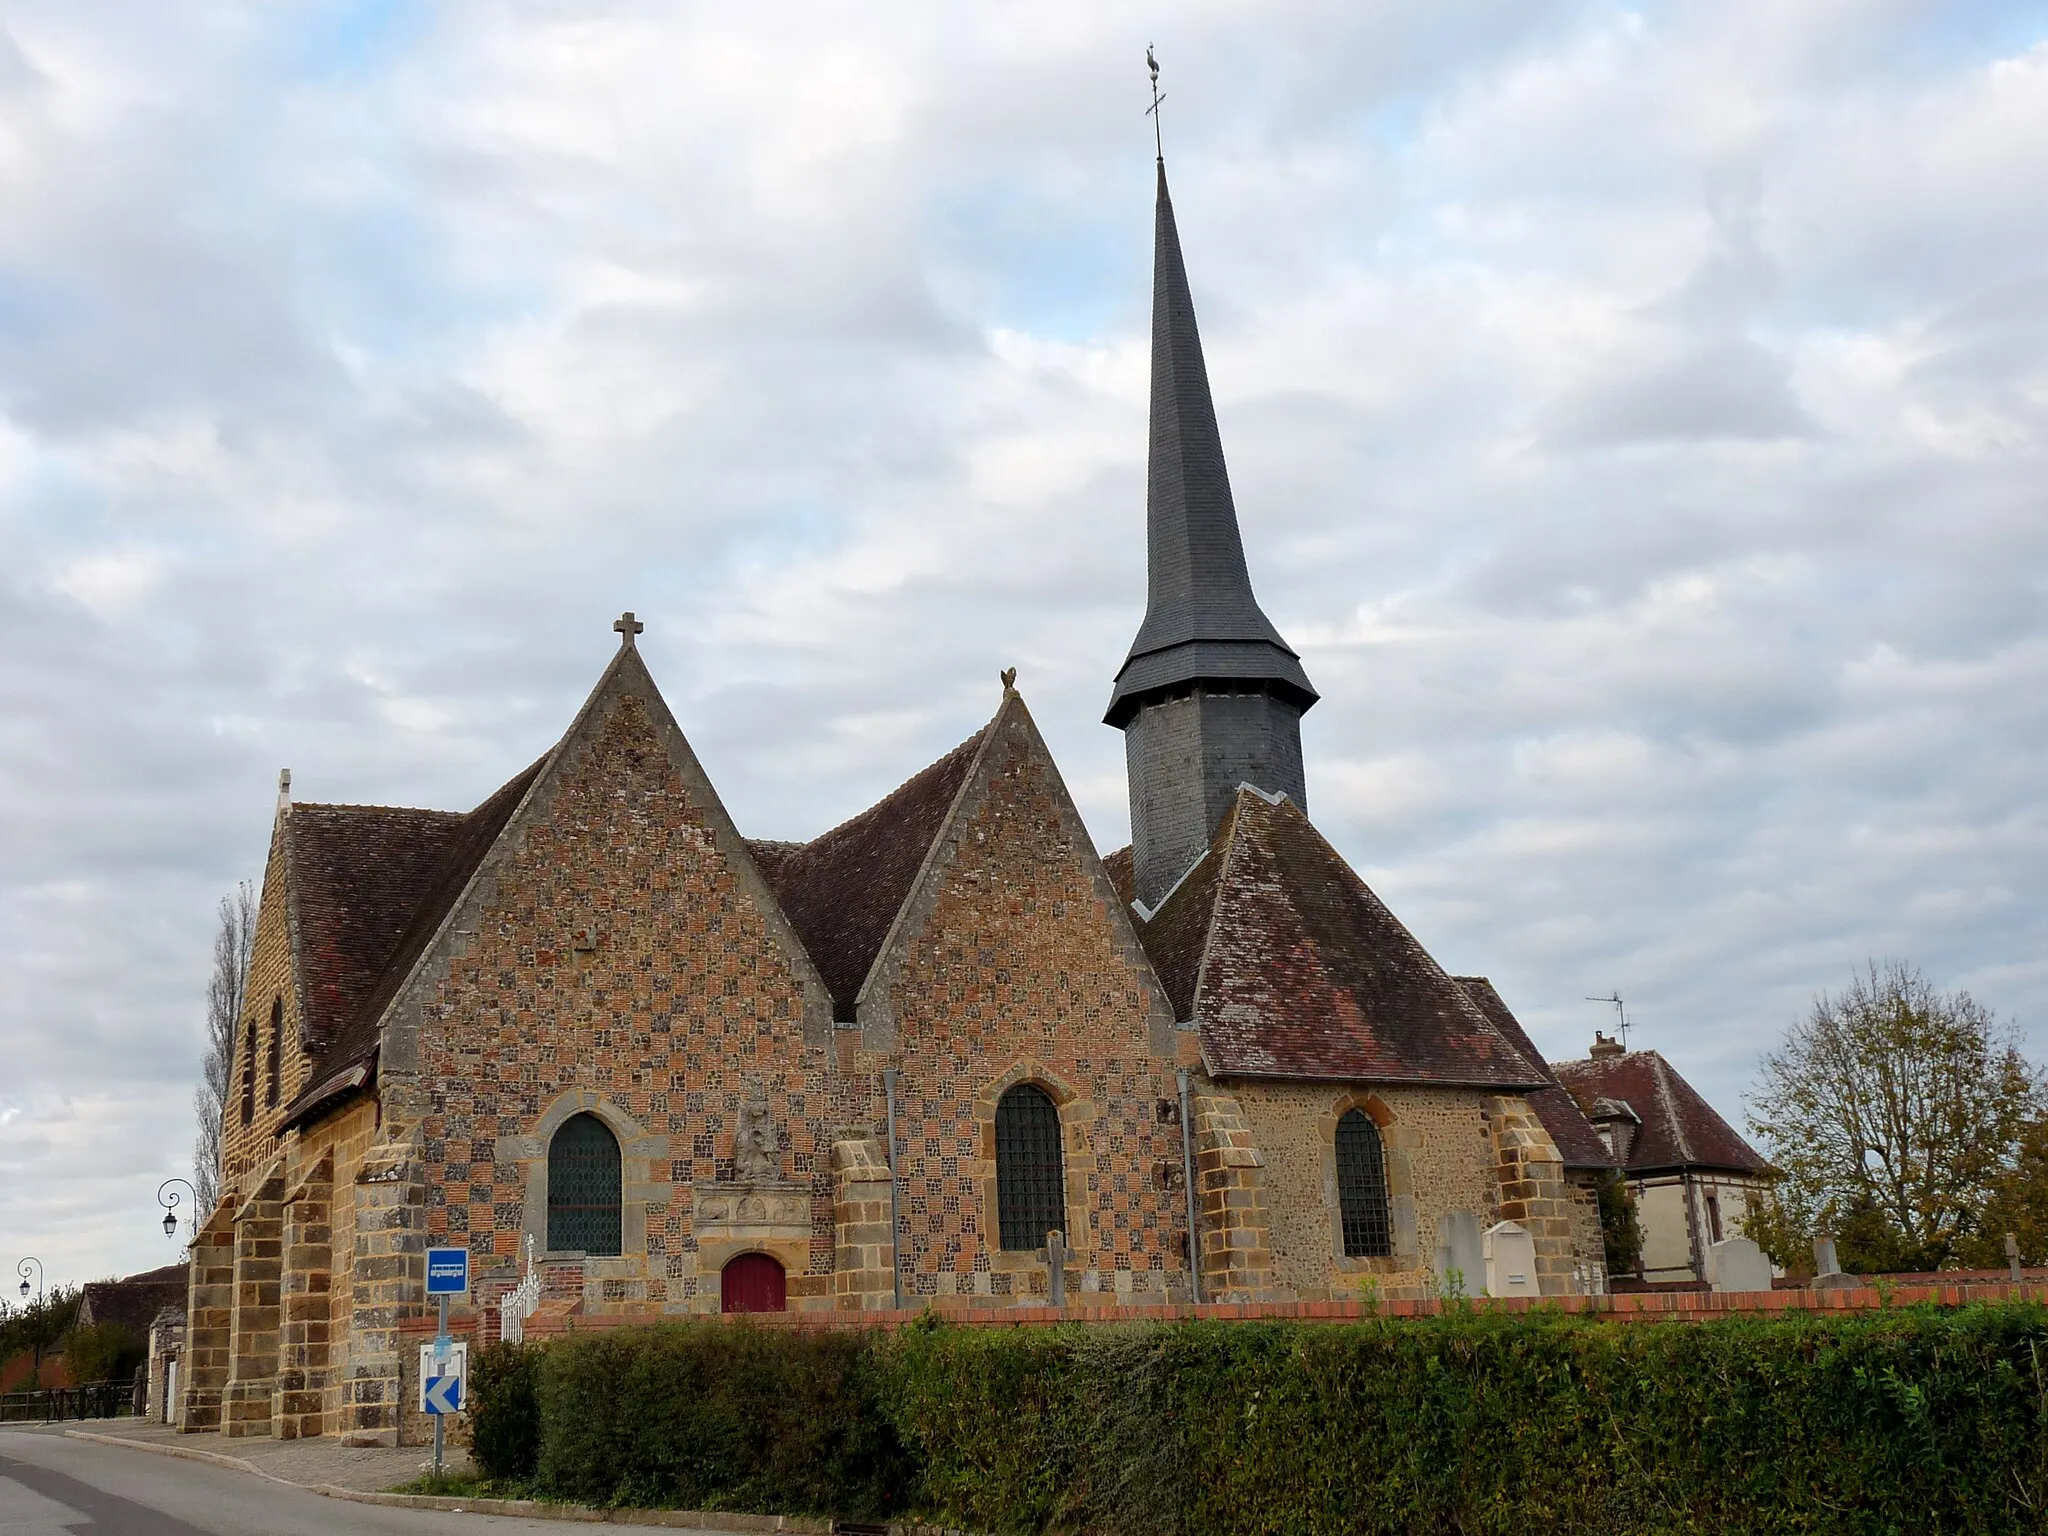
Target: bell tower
<point x="1210" y="695"/>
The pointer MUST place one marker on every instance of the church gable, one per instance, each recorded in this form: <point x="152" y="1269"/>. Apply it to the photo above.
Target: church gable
<point x="1012" y="970"/>
<point x="616" y="955"/>
<point x="1011" y="887"/>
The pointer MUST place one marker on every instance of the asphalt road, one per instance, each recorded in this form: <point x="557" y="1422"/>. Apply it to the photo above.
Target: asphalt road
<point x="51" y="1486"/>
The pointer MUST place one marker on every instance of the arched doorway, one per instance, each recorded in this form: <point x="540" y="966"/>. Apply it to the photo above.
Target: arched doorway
<point x="753" y="1282"/>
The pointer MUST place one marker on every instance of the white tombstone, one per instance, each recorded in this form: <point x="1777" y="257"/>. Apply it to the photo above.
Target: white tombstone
<point x="1739" y="1265"/>
<point x="1510" y="1261"/>
<point x="1460" y="1256"/>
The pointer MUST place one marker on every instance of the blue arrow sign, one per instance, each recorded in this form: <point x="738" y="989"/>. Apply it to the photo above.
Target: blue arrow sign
<point x="444" y="1394"/>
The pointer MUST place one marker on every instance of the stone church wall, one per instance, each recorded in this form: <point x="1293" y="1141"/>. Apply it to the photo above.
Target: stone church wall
<point x="1440" y="1158"/>
<point x="272" y="978"/>
<point x="1019" y="967"/>
<point x="620" y="964"/>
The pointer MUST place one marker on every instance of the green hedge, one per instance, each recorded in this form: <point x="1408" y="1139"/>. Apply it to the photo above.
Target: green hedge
<point x="1915" y="1420"/>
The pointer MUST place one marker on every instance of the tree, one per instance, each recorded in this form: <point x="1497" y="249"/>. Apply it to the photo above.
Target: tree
<point x="234" y="941"/>
<point x="34" y="1326"/>
<point x="2019" y="1205"/>
<point x="1621" y="1234"/>
<point x="1893" y="1110"/>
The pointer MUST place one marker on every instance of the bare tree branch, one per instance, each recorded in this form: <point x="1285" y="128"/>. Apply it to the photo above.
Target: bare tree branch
<point x="234" y="941"/>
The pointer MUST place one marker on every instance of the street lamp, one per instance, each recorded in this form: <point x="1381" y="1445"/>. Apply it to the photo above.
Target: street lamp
<point x="21" y="1269"/>
<point x="168" y="1199"/>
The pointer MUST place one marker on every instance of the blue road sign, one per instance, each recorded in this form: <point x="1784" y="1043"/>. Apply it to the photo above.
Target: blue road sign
<point x="447" y="1271"/>
<point x="444" y="1394"/>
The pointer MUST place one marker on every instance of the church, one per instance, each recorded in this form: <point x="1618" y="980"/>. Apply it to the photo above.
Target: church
<point x="943" y="1055"/>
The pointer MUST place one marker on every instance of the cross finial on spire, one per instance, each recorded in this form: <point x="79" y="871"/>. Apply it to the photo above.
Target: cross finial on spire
<point x="627" y="626"/>
<point x="1151" y="63"/>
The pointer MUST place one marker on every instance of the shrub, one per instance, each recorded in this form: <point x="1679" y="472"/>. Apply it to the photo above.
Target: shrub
<point x="718" y="1416"/>
<point x="1919" y="1419"/>
<point x="104" y="1352"/>
<point x="504" y="1421"/>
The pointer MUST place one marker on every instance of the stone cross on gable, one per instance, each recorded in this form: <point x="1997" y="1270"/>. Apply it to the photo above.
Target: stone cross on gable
<point x="628" y="627"/>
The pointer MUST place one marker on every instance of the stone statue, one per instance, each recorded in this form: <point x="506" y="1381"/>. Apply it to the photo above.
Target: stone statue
<point x="754" y="1158"/>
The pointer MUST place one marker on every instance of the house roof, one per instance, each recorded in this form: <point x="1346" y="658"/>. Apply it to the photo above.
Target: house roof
<point x="1290" y="967"/>
<point x="1679" y="1128"/>
<point x="1576" y="1140"/>
<point x="842" y="890"/>
<point x="1201" y="620"/>
<point x="135" y="1301"/>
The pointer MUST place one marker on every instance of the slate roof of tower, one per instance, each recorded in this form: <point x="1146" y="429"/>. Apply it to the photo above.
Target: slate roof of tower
<point x="1679" y="1128"/>
<point x="842" y="890"/>
<point x="1201" y="620"/>
<point x="1290" y="967"/>
<point x="1577" y="1142"/>
<point x="428" y="892"/>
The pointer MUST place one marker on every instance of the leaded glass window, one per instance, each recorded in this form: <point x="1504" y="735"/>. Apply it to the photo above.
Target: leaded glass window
<point x="583" y="1187"/>
<point x="1031" y="1187"/>
<point x="1362" y="1188"/>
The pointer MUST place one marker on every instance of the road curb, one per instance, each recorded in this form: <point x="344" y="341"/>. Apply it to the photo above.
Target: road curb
<point x="529" y="1509"/>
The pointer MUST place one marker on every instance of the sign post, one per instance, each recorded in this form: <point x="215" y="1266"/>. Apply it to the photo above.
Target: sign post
<point x="442" y="1383"/>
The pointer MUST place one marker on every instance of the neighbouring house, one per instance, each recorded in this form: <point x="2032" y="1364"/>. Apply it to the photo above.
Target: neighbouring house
<point x="1693" y="1176"/>
<point x="132" y="1303"/>
<point x="943" y="1054"/>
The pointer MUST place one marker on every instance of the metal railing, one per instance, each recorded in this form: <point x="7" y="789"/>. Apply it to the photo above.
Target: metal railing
<point x="51" y="1405"/>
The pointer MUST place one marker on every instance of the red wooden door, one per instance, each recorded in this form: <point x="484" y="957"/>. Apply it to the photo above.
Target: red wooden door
<point x="753" y="1282"/>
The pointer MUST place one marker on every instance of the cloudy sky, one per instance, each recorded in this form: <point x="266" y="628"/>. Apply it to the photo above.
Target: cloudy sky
<point x="1639" y="418"/>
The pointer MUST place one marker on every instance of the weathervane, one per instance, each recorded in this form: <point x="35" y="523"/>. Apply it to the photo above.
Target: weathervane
<point x="1620" y="1008"/>
<point x="1153" y="110"/>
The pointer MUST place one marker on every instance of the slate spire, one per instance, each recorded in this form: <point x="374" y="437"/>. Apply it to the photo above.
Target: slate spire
<point x="1201" y="619"/>
<point x="1210" y="695"/>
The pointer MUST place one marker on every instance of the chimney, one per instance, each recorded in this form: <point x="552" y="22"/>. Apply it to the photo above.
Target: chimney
<point x="1604" y="1047"/>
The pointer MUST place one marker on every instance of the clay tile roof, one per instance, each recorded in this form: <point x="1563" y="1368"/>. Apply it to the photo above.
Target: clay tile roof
<point x="135" y="1301"/>
<point x="358" y="872"/>
<point x="841" y="890"/>
<point x="1304" y="973"/>
<point x="1577" y="1141"/>
<point x="1122" y="870"/>
<point x="462" y="848"/>
<point x="1679" y="1128"/>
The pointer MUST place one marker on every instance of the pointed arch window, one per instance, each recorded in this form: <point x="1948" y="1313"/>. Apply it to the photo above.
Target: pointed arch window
<point x="276" y="1083"/>
<point x="1362" y="1188"/>
<point x="248" y="1070"/>
<point x="1031" y="1186"/>
<point x="584" y="1194"/>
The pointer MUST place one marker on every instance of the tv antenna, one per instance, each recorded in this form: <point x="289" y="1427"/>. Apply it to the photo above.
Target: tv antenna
<point x="1157" y="97"/>
<point x="1620" y="1011"/>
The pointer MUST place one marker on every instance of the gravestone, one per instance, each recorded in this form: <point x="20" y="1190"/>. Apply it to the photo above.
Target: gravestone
<point x="1460" y="1256"/>
<point x="1827" y="1269"/>
<point x="1510" y="1261"/>
<point x="1739" y="1265"/>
